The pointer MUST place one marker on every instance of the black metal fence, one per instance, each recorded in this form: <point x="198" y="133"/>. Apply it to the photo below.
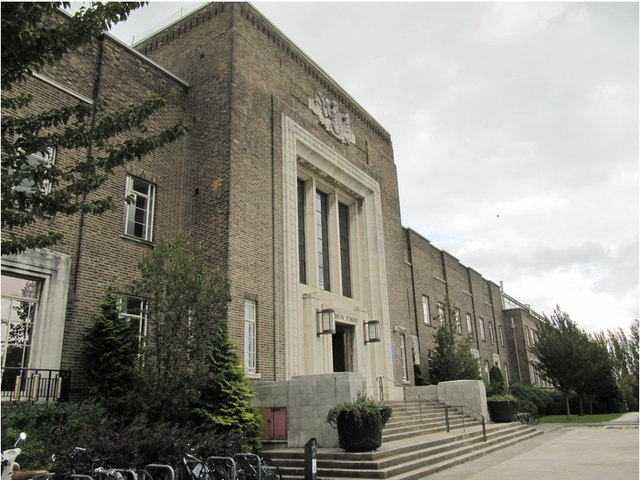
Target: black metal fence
<point x="35" y="385"/>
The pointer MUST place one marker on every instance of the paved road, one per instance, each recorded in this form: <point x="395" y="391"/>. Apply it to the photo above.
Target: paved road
<point x="563" y="452"/>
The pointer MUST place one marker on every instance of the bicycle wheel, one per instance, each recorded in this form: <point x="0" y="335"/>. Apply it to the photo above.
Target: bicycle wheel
<point x="144" y="475"/>
<point x="270" y="471"/>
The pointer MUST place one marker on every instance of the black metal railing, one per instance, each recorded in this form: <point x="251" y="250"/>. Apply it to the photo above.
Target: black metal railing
<point x="35" y="385"/>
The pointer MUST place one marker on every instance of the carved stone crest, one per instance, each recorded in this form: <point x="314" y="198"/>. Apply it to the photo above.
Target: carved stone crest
<point x="339" y="124"/>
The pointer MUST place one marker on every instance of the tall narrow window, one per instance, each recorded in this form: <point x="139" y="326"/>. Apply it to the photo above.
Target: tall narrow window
<point x="469" y="325"/>
<point x="458" y="321"/>
<point x="135" y="311"/>
<point x="302" y="247"/>
<point x="322" y="241"/>
<point x="425" y="310"/>
<point x="441" y="317"/>
<point x="492" y="336"/>
<point x="250" y="336"/>
<point x="345" y="262"/>
<point x="403" y="357"/>
<point x="20" y="297"/>
<point x="138" y="217"/>
<point x="501" y="335"/>
<point x="483" y="335"/>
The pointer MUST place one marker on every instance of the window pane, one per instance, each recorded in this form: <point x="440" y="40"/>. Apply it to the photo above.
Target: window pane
<point x="19" y="305"/>
<point x="345" y="263"/>
<point x="139" y="213"/>
<point x="322" y="241"/>
<point x="302" y="247"/>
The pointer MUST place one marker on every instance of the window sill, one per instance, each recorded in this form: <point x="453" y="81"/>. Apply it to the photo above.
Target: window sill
<point x="253" y="376"/>
<point x="137" y="240"/>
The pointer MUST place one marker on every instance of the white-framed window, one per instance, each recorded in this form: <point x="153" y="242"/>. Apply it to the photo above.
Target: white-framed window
<point x="492" y="336"/>
<point x="403" y="357"/>
<point x="501" y="335"/>
<point x="425" y="310"/>
<point x="441" y="317"/>
<point x="34" y="162"/>
<point x="139" y="209"/>
<point x="20" y="301"/>
<point x="487" y="369"/>
<point x="469" y="325"/>
<point x="415" y="349"/>
<point x="483" y="334"/>
<point x="250" y="334"/>
<point x="505" y="368"/>
<point x="532" y="336"/>
<point x="458" y="321"/>
<point x="134" y="309"/>
<point x="526" y="336"/>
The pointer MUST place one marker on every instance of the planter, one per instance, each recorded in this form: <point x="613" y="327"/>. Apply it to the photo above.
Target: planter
<point x="355" y="437"/>
<point x="501" y="411"/>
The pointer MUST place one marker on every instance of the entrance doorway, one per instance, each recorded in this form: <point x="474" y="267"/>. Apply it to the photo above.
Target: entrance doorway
<point x="342" y="342"/>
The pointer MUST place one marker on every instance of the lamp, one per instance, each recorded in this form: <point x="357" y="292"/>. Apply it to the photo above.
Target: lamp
<point x="326" y="321"/>
<point x="371" y="331"/>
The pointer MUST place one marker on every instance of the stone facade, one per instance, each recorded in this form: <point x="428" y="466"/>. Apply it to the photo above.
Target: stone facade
<point x="275" y="134"/>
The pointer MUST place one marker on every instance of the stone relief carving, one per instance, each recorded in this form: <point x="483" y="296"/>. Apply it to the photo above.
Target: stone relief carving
<point x="339" y="124"/>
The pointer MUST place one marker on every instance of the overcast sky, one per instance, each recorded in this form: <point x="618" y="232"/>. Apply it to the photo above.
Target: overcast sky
<point x="515" y="133"/>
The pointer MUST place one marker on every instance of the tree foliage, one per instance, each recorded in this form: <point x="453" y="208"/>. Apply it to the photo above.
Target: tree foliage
<point x="452" y="358"/>
<point x="623" y="351"/>
<point x="186" y="313"/>
<point x="497" y="382"/>
<point x="572" y="360"/>
<point x="187" y="370"/>
<point x="110" y="352"/>
<point x="32" y="187"/>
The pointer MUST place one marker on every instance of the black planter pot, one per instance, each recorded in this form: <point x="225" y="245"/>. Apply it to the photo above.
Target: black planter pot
<point x="354" y="437"/>
<point x="501" y="411"/>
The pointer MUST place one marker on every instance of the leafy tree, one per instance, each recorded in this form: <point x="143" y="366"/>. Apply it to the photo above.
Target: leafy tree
<point x="623" y="351"/>
<point x="32" y="187"/>
<point x="452" y="358"/>
<point x="186" y="315"/>
<point x="562" y="354"/>
<point x="111" y="355"/>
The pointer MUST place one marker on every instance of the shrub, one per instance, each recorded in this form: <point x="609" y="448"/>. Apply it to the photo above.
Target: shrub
<point x="420" y="375"/>
<point x="497" y="384"/>
<point x="363" y="409"/>
<point x="541" y="400"/>
<point x="58" y="428"/>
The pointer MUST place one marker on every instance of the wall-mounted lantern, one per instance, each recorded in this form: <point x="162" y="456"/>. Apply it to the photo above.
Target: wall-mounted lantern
<point x="326" y="321"/>
<point x="371" y="331"/>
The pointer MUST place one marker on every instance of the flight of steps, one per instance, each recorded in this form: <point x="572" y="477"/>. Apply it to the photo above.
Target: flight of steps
<point x="414" y="446"/>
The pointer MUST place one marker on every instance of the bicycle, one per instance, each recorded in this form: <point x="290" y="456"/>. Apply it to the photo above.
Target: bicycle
<point x="526" y="418"/>
<point x="254" y="467"/>
<point x="71" y="458"/>
<point x="192" y="468"/>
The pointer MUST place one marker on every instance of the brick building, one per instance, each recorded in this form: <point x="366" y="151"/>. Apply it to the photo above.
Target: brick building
<point x="291" y="187"/>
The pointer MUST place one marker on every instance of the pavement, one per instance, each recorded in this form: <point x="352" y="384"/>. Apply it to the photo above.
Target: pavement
<point x="602" y="451"/>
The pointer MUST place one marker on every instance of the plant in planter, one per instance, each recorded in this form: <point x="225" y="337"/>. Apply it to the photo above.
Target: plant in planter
<point x="360" y="423"/>
<point x="501" y="405"/>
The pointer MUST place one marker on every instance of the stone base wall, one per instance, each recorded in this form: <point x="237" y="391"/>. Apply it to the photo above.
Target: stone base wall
<point x="308" y="399"/>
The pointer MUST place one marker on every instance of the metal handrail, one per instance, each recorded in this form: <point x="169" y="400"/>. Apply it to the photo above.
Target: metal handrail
<point x="404" y="393"/>
<point x="446" y="407"/>
<point x="462" y="407"/>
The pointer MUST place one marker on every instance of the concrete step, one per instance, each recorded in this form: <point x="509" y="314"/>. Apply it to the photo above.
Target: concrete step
<point x="404" y="459"/>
